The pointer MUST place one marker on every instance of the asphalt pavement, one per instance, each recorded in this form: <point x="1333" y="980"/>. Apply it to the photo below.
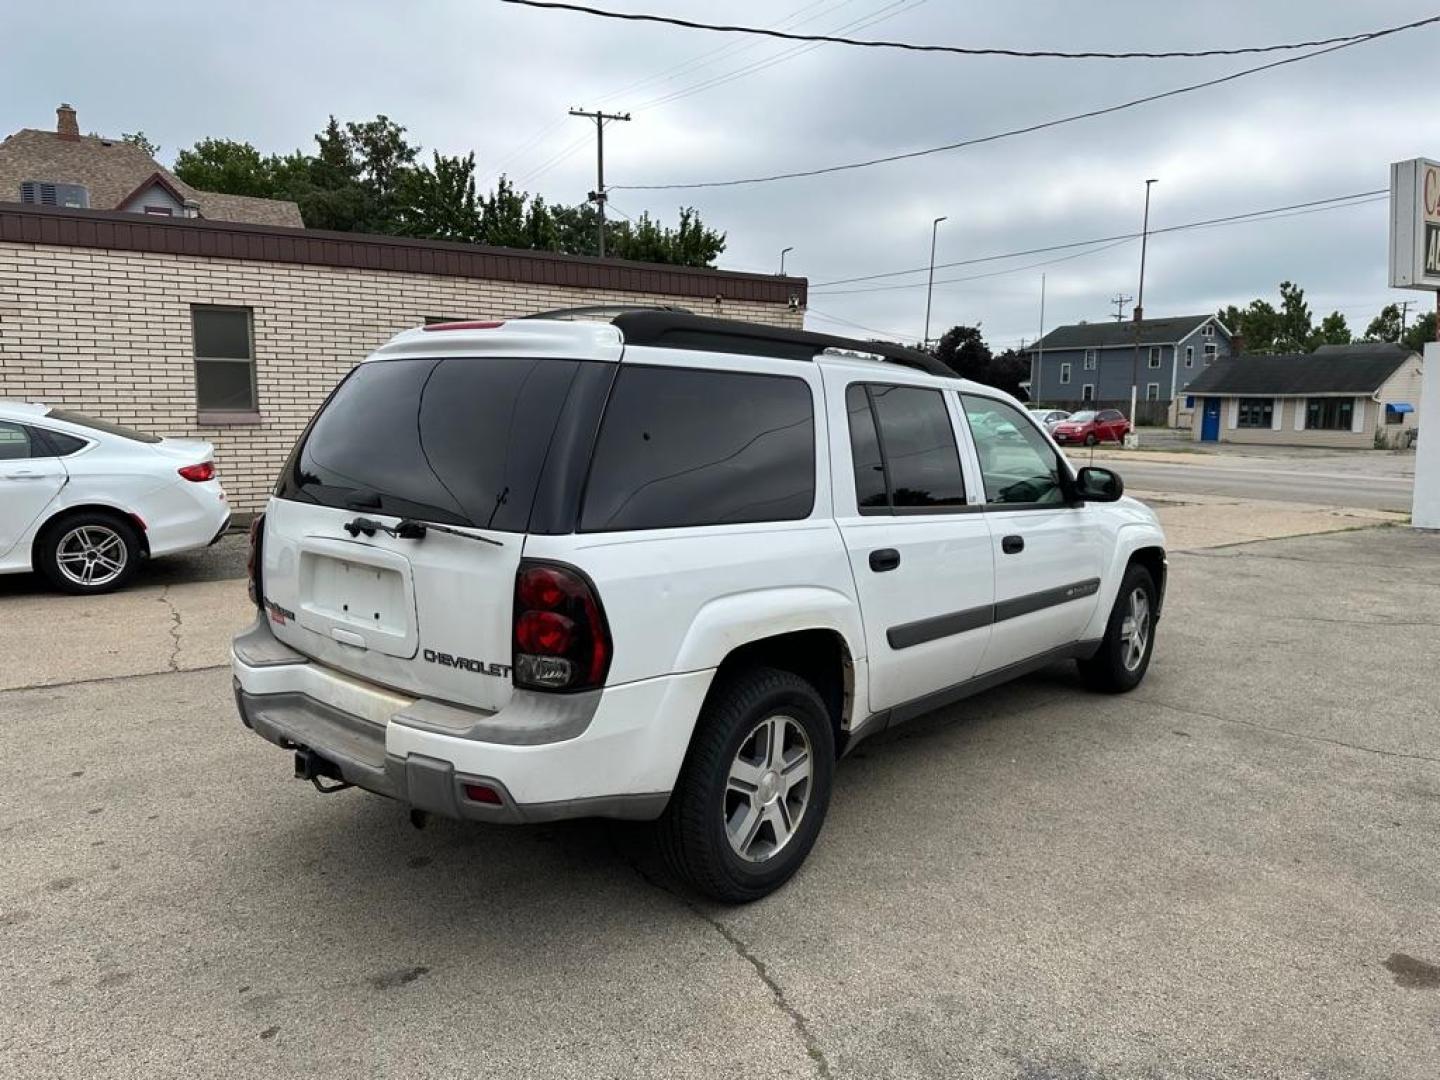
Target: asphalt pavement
<point x="1228" y="873"/>
<point x="1285" y="481"/>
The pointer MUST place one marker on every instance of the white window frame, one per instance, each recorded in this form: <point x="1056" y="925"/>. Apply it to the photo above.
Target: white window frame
<point x="1155" y="358"/>
<point x="1212" y="353"/>
<point x="1092" y="359"/>
<point x="1152" y="391"/>
<point x="1087" y="391"/>
<point x="1189" y="355"/>
<point x="1065" y="374"/>
<point x="1208" y="330"/>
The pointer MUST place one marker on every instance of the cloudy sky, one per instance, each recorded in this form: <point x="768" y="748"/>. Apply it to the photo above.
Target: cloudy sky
<point x="476" y="74"/>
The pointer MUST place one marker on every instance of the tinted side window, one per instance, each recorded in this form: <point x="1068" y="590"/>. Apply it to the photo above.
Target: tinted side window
<point x="922" y="461"/>
<point x="1016" y="462"/>
<point x="686" y="447"/>
<point x="14" y="441"/>
<point x="870" y="489"/>
<point x="58" y="444"/>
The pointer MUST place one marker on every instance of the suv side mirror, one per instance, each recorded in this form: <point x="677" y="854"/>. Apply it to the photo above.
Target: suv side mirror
<point x="1094" y="484"/>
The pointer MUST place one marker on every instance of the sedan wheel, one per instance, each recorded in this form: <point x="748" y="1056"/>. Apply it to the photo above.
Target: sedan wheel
<point x="89" y="552"/>
<point x="92" y="556"/>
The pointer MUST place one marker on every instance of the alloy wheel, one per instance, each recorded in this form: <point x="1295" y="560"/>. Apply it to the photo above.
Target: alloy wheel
<point x="768" y="788"/>
<point x="1135" y="629"/>
<point x="92" y="555"/>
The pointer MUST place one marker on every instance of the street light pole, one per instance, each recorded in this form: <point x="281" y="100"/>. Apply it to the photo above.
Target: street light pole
<point x="1140" y="306"/>
<point x="930" y="285"/>
<point x="782" y="259"/>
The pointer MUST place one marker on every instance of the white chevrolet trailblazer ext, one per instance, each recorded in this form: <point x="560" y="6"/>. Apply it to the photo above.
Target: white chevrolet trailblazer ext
<point x="667" y="567"/>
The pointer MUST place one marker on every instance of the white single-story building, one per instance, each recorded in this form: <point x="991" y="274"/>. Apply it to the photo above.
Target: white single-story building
<point x="1346" y="396"/>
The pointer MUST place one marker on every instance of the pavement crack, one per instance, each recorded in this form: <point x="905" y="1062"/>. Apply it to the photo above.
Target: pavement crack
<point x="176" y="625"/>
<point x="797" y="1019"/>
<point x="1186" y="711"/>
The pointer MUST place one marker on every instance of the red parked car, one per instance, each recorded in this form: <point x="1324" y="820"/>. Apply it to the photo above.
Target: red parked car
<point x="1107" y="425"/>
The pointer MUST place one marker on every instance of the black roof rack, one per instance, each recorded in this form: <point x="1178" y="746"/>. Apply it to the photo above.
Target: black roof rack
<point x="601" y="309"/>
<point x="667" y="329"/>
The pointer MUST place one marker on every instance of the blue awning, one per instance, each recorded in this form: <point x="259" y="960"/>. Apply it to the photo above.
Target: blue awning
<point x="1399" y="407"/>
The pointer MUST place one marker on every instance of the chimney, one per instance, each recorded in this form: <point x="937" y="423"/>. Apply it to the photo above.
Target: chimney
<point x="1237" y="344"/>
<point x="65" y="124"/>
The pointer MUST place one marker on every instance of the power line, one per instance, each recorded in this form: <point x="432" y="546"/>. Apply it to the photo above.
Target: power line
<point x="855" y="325"/>
<point x="1229" y="218"/>
<point x="962" y="50"/>
<point x="997" y="136"/>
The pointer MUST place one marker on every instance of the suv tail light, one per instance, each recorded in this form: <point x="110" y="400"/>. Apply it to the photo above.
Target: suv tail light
<point x="199" y="473"/>
<point x="561" y="640"/>
<point x="253" y="561"/>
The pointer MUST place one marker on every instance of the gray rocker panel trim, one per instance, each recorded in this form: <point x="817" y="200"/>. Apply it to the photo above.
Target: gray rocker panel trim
<point x="959" y="622"/>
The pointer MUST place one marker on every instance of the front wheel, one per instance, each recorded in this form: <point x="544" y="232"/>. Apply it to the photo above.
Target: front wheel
<point x="1124" y="654"/>
<point x="753" y="793"/>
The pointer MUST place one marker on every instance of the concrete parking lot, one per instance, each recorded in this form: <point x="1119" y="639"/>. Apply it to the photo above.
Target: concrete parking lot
<point x="1229" y="873"/>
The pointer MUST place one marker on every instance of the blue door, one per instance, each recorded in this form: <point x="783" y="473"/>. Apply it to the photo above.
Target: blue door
<point x="1210" y="424"/>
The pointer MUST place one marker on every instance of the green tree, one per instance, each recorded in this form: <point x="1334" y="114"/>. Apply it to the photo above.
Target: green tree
<point x="1333" y="330"/>
<point x="138" y="139"/>
<point x="1387" y="326"/>
<point x="366" y="177"/>
<point x="1259" y="323"/>
<point x="1295" y="327"/>
<point x="1421" y="333"/>
<point x="963" y="350"/>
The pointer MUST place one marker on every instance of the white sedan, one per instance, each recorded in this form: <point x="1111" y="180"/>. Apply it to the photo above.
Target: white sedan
<point x="84" y="501"/>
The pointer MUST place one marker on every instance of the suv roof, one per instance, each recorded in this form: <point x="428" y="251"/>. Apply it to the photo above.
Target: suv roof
<point x="539" y="335"/>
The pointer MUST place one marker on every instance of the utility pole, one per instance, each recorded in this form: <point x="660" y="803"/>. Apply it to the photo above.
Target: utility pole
<point x="930" y="285"/>
<point x="1120" y="300"/>
<point x="1404" y="314"/>
<point x="1140" y="306"/>
<point x="598" y="195"/>
<point x="1039" y="366"/>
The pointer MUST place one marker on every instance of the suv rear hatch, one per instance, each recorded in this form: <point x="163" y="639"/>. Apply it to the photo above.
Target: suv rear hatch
<point x="455" y="441"/>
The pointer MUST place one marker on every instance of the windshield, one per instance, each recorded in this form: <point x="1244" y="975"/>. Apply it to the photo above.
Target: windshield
<point x="1081" y="417"/>
<point x="81" y="420"/>
<point x="458" y="441"/>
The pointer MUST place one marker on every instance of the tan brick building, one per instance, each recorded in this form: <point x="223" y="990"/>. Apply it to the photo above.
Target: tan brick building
<point x="102" y="313"/>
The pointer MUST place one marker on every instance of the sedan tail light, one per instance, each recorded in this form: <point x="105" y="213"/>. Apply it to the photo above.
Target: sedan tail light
<point x="561" y="639"/>
<point x="199" y="473"/>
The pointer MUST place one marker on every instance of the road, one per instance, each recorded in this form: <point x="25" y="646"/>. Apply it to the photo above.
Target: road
<point x="1285" y="481"/>
<point x="1226" y="874"/>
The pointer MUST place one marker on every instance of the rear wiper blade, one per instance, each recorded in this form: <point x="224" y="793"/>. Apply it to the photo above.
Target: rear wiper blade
<point x="408" y="529"/>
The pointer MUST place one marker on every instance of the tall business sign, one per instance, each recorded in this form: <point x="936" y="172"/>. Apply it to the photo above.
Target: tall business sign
<point x="1415" y="264"/>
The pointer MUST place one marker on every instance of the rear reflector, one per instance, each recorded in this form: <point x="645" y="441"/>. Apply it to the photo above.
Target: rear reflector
<point x="464" y="325"/>
<point x="199" y="473"/>
<point x="482" y="794"/>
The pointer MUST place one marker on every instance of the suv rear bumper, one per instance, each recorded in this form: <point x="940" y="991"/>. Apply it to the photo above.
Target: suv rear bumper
<point x="617" y="756"/>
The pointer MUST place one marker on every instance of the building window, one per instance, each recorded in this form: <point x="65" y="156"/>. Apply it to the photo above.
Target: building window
<point x="1154" y="355"/>
<point x="1087" y="392"/>
<point x="224" y="359"/>
<point x="1189" y="355"/>
<point x="1064" y="373"/>
<point x="1256" y="412"/>
<point x="1092" y="359"/>
<point x="1189" y="401"/>
<point x="1152" y="391"/>
<point x="1395" y="412"/>
<point x="159" y="211"/>
<point x="1211" y="351"/>
<point x="1208" y="330"/>
<point x="1329" y="414"/>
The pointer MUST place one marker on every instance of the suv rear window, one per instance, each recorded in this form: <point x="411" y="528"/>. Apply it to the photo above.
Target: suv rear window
<point x="457" y="440"/>
<point x="679" y="446"/>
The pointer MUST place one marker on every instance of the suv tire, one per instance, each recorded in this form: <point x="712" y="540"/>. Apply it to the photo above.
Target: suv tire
<point x="88" y="553"/>
<point x="759" y="730"/>
<point x="1121" y="661"/>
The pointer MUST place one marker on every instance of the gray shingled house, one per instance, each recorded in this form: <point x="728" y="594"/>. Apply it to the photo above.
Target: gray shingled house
<point x="1090" y="365"/>
<point x="1339" y="395"/>
<point x="64" y="168"/>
